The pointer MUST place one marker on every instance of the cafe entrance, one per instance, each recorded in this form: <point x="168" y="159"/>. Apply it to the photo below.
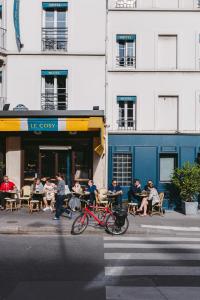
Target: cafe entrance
<point x="53" y="160"/>
<point x="48" y="154"/>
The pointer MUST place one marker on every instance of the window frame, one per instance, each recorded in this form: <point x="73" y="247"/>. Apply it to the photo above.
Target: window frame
<point x="117" y="158"/>
<point x="167" y="155"/>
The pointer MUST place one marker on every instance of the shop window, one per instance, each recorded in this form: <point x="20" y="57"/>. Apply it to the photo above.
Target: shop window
<point x="198" y="159"/>
<point x="54" y="30"/>
<point x="168" y="162"/>
<point x="2" y="161"/>
<point x="31" y="167"/>
<point x="81" y="165"/>
<point x="122" y="168"/>
<point x="126" y="44"/>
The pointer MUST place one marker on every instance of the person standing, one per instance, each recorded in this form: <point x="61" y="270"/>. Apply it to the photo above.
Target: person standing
<point x="5" y="187"/>
<point x="60" y="198"/>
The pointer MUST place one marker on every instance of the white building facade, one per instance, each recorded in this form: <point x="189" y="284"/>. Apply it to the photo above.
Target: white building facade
<point x="72" y="63"/>
<point x="153" y="79"/>
<point x="53" y="78"/>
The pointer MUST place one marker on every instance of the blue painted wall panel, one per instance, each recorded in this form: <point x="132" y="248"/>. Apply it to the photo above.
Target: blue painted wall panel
<point x="145" y="164"/>
<point x="187" y="154"/>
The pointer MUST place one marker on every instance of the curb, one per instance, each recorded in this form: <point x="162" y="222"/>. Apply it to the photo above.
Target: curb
<point x="66" y="230"/>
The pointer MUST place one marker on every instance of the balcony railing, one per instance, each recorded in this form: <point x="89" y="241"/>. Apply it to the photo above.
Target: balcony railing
<point x="2" y="38"/>
<point x="126" y="124"/>
<point x="2" y="102"/>
<point x="126" y="3"/>
<point x="54" y="39"/>
<point x="126" y="61"/>
<point x="54" y="101"/>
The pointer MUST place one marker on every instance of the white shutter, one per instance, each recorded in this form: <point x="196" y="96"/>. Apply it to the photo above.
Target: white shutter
<point x="167" y="113"/>
<point x="167" y="52"/>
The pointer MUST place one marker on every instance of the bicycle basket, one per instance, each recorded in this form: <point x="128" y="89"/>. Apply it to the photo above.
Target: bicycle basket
<point x="120" y="217"/>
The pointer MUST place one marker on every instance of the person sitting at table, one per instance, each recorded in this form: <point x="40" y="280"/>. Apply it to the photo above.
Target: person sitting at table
<point x="150" y="198"/>
<point x="134" y="190"/>
<point x="75" y="202"/>
<point x="49" y="195"/>
<point x="92" y="190"/>
<point x="116" y="189"/>
<point x="37" y="189"/>
<point x="5" y="187"/>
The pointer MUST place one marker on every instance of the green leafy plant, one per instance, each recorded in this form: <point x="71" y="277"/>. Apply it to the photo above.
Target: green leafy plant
<point x="187" y="181"/>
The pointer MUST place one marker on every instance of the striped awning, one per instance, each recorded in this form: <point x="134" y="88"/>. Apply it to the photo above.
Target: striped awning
<point x="55" y="125"/>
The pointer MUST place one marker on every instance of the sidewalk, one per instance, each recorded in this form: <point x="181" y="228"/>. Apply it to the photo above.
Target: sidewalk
<point x="21" y="222"/>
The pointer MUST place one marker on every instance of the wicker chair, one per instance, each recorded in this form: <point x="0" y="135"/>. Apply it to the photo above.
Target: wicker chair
<point x="157" y="208"/>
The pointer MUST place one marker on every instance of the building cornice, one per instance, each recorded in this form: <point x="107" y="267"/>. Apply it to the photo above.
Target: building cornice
<point x="52" y="113"/>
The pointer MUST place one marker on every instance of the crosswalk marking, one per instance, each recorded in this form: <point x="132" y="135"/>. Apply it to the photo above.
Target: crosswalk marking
<point x="152" y="271"/>
<point x="150" y="246"/>
<point x="153" y="256"/>
<point x="140" y="261"/>
<point x="152" y="293"/>
<point x="152" y="239"/>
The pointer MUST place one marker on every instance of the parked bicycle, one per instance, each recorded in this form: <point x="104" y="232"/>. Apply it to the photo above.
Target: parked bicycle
<point x="114" y="221"/>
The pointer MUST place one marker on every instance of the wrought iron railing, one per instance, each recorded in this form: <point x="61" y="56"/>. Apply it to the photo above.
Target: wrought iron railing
<point x="2" y="38"/>
<point x="126" y="124"/>
<point x="54" y="39"/>
<point x="2" y="102"/>
<point x="126" y="4"/>
<point x="54" y="101"/>
<point x="126" y="61"/>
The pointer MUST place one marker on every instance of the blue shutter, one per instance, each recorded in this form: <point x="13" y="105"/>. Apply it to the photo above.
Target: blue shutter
<point x="54" y="72"/>
<point x="54" y="5"/>
<point x="126" y="98"/>
<point x="126" y="37"/>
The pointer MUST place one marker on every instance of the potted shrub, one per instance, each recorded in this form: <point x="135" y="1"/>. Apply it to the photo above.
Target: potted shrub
<point x="187" y="182"/>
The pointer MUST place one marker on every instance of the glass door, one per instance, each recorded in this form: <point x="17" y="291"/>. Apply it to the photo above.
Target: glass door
<point x="55" y="161"/>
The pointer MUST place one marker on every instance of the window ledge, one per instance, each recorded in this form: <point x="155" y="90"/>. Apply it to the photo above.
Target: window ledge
<point x="153" y="70"/>
<point x="155" y="9"/>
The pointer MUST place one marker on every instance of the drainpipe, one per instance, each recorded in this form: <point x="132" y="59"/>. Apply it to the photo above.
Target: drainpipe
<point x="106" y="98"/>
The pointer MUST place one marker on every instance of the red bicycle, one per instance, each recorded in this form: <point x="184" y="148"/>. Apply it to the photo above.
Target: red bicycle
<point x="114" y="222"/>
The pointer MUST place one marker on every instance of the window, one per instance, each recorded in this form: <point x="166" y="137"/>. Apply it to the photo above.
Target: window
<point x="122" y="168"/>
<point x="54" y="31"/>
<point x="168" y="162"/>
<point x="167" y="113"/>
<point x="167" y="52"/>
<point x="126" y="50"/>
<point x="54" y="90"/>
<point x="127" y="112"/>
<point x="126" y="3"/>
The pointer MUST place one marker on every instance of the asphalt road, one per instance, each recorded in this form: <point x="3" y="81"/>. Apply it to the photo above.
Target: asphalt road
<point x="99" y="267"/>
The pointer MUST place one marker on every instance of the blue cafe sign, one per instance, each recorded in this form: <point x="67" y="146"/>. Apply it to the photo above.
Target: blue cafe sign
<point x="42" y="124"/>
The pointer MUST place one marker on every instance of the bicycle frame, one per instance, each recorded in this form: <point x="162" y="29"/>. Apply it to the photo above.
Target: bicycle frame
<point x="87" y="211"/>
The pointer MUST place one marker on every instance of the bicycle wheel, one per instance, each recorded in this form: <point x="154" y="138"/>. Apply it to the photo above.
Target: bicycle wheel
<point x="112" y="228"/>
<point x="79" y="224"/>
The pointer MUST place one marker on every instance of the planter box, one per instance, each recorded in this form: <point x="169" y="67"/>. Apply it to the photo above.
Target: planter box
<point x="190" y="208"/>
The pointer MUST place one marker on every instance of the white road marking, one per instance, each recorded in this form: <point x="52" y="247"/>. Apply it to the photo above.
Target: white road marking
<point x="151" y="246"/>
<point x="153" y="239"/>
<point x="174" y="228"/>
<point x="152" y="271"/>
<point x="152" y="293"/>
<point x="153" y="256"/>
